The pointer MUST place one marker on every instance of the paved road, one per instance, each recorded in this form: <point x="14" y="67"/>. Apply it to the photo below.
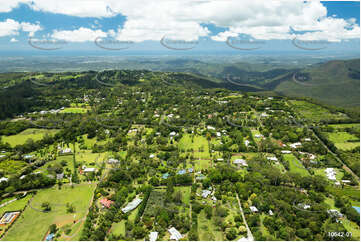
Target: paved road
<point x="249" y="233"/>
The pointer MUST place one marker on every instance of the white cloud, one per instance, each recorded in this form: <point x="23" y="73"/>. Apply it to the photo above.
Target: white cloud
<point x="78" y="35"/>
<point x="11" y="27"/>
<point x="152" y="20"/>
<point x="7" y="6"/>
<point x="13" y="40"/>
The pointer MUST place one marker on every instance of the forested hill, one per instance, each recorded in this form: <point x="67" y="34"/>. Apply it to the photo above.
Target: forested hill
<point x="336" y="83"/>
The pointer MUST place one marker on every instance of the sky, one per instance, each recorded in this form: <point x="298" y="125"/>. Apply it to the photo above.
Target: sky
<point x="209" y="25"/>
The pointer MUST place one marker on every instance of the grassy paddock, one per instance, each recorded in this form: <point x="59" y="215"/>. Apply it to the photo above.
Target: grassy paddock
<point x="295" y="165"/>
<point x="33" y="224"/>
<point x="22" y="137"/>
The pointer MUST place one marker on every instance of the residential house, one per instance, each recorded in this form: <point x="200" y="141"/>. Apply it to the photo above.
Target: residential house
<point x="253" y="209"/>
<point x="271" y="158"/>
<point x="331" y="174"/>
<point x="113" y="161"/>
<point x="132" y="205"/>
<point x="286" y="151"/>
<point x="153" y="236"/>
<point x="205" y="193"/>
<point x="240" y="162"/>
<point x="295" y="145"/>
<point x="106" y="202"/>
<point x="174" y="234"/>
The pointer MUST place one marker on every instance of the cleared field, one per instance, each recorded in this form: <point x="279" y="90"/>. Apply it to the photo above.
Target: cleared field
<point x="118" y="228"/>
<point x="343" y="126"/>
<point x="201" y="164"/>
<point x="74" y="110"/>
<point x="22" y="137"/>
<point x="207" y="230"/>
<point x="16" y="205"/>
<point x="186" y="193"/>
<point x="34" y="224"/>
<point x="295" y="165"/>
<point x="342" y="140"/>
<point x="352" y="227"/>
<point x="330" y="202"/>
<point x="86" y="157"/>
<point x="315" y="112"/>
<point x="199" y="146"/>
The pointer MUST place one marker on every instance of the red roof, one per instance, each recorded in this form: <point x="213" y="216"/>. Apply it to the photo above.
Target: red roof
<point x="106" y="203"/>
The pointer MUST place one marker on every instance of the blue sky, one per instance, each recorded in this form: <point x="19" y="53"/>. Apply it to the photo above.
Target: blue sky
<point x="207" y="25"/>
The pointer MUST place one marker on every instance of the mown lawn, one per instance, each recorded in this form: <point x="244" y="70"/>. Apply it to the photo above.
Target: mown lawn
<point x="14" y="206"/>
<point x="315" y="112"/>
<point x="74" y="110"/>
<point x="22" y="137"/>
<point x="118" y="228"/>
<point x="201" y="164"/>
<point x="341" y="140"/>
<point x="186" y="194"/>
<point x="352" y="227"/>
<point x="295" y="165"/>
<point x="34" y="224"/>
<point x="199" y="146"/>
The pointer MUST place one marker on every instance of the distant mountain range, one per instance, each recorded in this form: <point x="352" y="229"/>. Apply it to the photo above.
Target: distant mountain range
<point x="335" y="82"/>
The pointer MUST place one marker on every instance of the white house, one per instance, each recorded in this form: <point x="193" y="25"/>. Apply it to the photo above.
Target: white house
<point x="65" y="151"/>
<point x="272" y="158"/>
<point x="295" y="145"/>
<point x="172" y="133"/>
<point x="211" y="128"/>
<point x="335" y="213"/>
<point x="174" y="234"/>
<point x="331" y="174"/>
<point x="153" y="236"/>
<point x="205" y="193"/>
<point x="113" y="161"/>
<point x="132" y="205"/>
<point x="286" y="151"/>
<point x="151" y="156"/>
<point x="240" y="162"/>
<point x="304" y="206"/>
<point x="218" y="134"/>
<point x="253" y="209"/>
<point x="4" y="179"/>
<point x="90" y="169"/>
<point x="247" y="142"/>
